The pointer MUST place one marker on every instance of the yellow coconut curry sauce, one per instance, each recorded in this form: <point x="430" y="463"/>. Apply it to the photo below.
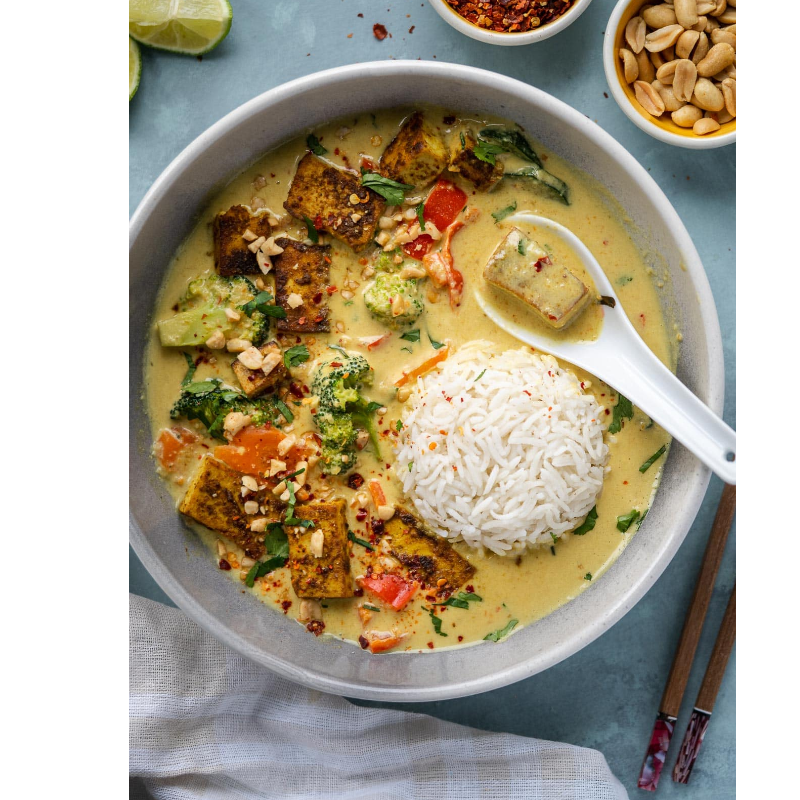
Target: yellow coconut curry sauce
<point x="519" y="588"/>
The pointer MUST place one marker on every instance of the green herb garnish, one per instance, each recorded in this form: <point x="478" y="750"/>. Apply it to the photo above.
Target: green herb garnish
<point x="190" y="372"/>
<point x="653" y="458"/>
<point x="587" y="576"/>
<point x="399" y="425"/>
<point x="496" y="636"/>
<point x="201" y="387"/>
<point x="314" y="145"/>
<point x="521" y="247"/>
<point x="313" y="233"/>
<point x="410" y="464"/>
<point x="626" y="520"/>
<point x="504" y="212"/>
<point x="434" y="344"/>
<point x="393" y="192"/>
<point x="437" y="622"/>
<point x="263" y="302"/>
<point x="588" y="524"/>
<point x="411" y="336"/>
<point x="277" y="545"/>
<point x="462" y="600"/>
<point x="622" y="410"/>
<point x="420" y="217"/>
<point x="371" y="608"/>
<point x="479" y="376"/>
<point x="485" y="151"/>
<point x="296" y="355"/>
<point x="284" y="409"/>
<point x="623" y="279"/>
<point x="463" y="140"/>
<point x="353" y="538"/>
<point x="552" y="549"/>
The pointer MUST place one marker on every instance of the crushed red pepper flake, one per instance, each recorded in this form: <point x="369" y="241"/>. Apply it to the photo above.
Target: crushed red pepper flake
<point x="510" y="16"/>
<point x="379" y="31"/>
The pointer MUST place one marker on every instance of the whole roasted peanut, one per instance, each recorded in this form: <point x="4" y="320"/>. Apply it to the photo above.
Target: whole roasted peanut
<point x="718" y="57"/>
<point x="630" y="67"/>
<point x="701" y="24"/>
<point x="707" y="96"/>
<point x="721" y="36"/>
<point x="722" y="116"/>
<point x="635" y="32"/>
<point x="647" y="72"/>
<point x="686" y="12"/>
<point x="719" y="8"/>
<point x="705" y="125"/>
<point x="687" y="116"/>
<point x="666" y="72"/>
<point x="711" y="24"/>
<point x="706" y="6"/>
<point x="668" y="54"/>
<point x="659" y="16"/>
<point x="657" y="59"/>
<point x="728" y="17"/>
<point x="685" y="44"/>
<point x="671" y="103"/>
<point x="649" y="99"/>
<point x="662" y="38"/>
<point x="729" y="95"/>
<point x="684" y="80"/>
<point x="701" y="48"/>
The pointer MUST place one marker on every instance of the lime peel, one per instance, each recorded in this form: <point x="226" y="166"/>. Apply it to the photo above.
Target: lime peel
<point x="190" y="27"/>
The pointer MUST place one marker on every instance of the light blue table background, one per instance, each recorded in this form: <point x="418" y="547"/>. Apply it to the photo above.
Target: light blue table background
<point x="606" y="696"/>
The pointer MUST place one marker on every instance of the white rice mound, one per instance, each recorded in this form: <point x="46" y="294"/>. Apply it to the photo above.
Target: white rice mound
<point x="519" y="452"/>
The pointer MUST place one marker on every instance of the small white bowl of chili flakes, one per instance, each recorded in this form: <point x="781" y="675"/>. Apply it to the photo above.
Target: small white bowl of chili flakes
<point x="510" y="22"/>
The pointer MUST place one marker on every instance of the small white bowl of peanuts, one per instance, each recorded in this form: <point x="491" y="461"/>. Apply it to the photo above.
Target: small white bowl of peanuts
<point x="671" y="67"/>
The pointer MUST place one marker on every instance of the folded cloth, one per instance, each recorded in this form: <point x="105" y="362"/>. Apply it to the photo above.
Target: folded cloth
<point x="207" y="723"/>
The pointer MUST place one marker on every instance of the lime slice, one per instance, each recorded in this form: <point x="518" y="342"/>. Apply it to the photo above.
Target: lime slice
<point x="134" y="67"/>
<point x="192" y="27"/>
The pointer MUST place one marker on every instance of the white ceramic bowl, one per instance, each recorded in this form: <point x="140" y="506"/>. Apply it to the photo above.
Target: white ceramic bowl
<point x="175" y="556"/>
<point x="458" y="22"/>
<point x="661" y="128"/>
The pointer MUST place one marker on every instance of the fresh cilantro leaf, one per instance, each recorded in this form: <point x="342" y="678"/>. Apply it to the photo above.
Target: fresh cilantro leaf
<point x="653" y="458"/>
<point x="485" y="151"/>
<point x="471" y="596"/>
<point x="455" y="602"/>
<point x="434" y="344"/>
<point x="277" y="545"/>
<point x="399" y="425"/>
<point x="296" y="355"/>
<point x="314" y="145"/>
<point x="263" y="302"/>
<point x="353" y="538"/>
<point x="190" y="372"/>
<point x="437" y="622"/>
<point x="394" y="192"/>
<point x="420" y="217"/>
<point x="504" y="212"/>
<point x="554" y="537"/>
<point x="587" y="576"/>
<point x="406" y="349"/>
<point x="588" y="524"/>
<point x="313" y="233"/>
<point x="203" y="386"/>
<point x="626" y="520"/>
<point x="622" y="410"/>
<point x="496" y="636"/>
<point x="411" y="336"/>
<point x="641" y="519"/>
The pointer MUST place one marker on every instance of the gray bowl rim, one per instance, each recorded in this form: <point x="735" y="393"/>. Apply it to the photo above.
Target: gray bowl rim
<point x="714" y="396"/>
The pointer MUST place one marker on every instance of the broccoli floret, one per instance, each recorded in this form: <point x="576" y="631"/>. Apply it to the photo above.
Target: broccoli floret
<point x="384" y="295"/>
<point x="201" y="311"/>
<point x="385" y="262"/>
<point x="342" y="409"/>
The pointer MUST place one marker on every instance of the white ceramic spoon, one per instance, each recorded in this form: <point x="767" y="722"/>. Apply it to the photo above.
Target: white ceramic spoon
<point x="621" y="359"/>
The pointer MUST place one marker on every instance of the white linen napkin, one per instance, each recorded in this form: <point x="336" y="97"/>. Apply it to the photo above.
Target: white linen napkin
<point x="207" y="723"/>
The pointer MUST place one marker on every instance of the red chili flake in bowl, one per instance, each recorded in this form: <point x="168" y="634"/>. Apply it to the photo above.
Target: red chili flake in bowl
<point x="510" y="16"/>
<point x="379" y="31"/>
<point x="355" y="480"/>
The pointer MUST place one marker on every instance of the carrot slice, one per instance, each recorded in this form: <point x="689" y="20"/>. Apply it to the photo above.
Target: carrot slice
<point x="252" y="449"/>
<point x="170" y="444"/>
<point x="380" y="644"/>
<point x="378" y="497"/>
<point x="424" y="367"/>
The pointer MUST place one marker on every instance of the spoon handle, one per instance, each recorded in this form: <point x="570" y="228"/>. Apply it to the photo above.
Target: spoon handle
<point x="639" y="375"/>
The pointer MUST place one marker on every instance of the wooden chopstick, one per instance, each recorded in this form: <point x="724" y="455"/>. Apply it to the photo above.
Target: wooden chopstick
<point x="707" y="695"/>
<point x="687" y="646"/>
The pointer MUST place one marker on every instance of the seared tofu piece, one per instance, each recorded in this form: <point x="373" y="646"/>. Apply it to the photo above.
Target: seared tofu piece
<point x="426" y="556"/>
<point x="214" y="499"/>
<point x="231" y="255"/>
<point x="463" y="160"/>
<point x="335" y="201"/>
<point x="302" y="272"/>
<point x="255" y="382"/>
<point x="552" y="291"/>
<point x="417" y="155"/>
<point x="320" y="568"/>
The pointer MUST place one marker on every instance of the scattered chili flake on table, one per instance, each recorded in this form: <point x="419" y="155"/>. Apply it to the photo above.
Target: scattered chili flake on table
<point x="510" y="16"/>
<point x="379" y="31"/>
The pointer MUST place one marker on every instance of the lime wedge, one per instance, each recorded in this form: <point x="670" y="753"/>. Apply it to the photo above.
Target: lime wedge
<point x="134" y="67"/>
<point x="192" y="27"/>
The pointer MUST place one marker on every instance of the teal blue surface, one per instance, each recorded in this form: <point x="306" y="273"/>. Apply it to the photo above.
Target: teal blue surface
<point x="607" y="695"/>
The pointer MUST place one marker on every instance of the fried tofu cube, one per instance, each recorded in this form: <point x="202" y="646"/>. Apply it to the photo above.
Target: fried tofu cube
<point x="231" y="253"/>
<point x="463" y="160"/>
<point x="214" y="499"/>
<point x="335" y="201"/>
<point x="302" y="272"/>
<point x="520" y="266"/>
<point x="255" y="382"/>
<point x="417" y="155"/>
<point x="428" y="558"/>
<point x="326" y="575"/>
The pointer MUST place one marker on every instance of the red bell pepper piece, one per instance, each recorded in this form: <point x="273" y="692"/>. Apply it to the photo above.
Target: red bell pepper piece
<point x="444" y="204"/>
<point x="392" y="589"/>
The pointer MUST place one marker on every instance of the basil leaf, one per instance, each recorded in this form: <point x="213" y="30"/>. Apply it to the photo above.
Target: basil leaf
<point x="296" y="355"/>
<point x="496" y="636"/>
<point x="455" y="602"/>
<point x="622" y="410"/>
<point x="434" y="344"/>
<point x="273" y="311"/>
<point x="504" y="212"/>
<point x="420" y="217"/>
<point x="588" y="524"/>
<point x="393" y="191"/>
<point x="470" y="596"/>
<point x="314" y="145"/>
<point x="411" y="336"/>
<point x="313" y="233"/>
<point x="190" y="372"/>
<point x="203" y="386"/>
<point x="284" y="409"/>
<point x="353" y="538"/>
<point x="653" y="458"/>
<point x="626" y="520"/>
